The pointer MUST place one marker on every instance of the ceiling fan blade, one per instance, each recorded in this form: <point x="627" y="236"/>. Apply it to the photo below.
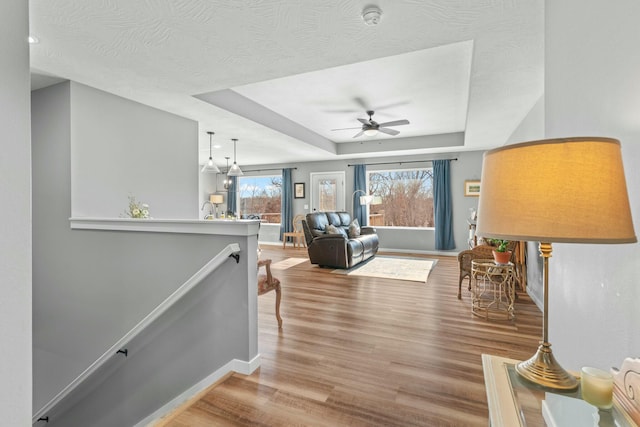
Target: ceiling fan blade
<point x="364" y="121"/>
<point x="387" y="106"/>
<point x="358" y="134"/>
<point x="388" y="131"/>
<point x="361" y="103"/>
<point x="359" y="127"/>
<point x="395" y="123"/>
<point x="345" y="110"/>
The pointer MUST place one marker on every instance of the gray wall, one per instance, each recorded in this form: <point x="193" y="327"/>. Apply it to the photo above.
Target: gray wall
<point x="91" y="287"/>
<point x="121" y="148"/>
<point x="532" y="126"/>
<point x="15" y="193"/>
<point x="592" y="69"/>
<point x="530" y="129"/>
<point x="468" y="166"/>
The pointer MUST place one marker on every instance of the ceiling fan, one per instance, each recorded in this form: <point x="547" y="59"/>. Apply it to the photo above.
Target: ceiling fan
<point x="371" y="127"/>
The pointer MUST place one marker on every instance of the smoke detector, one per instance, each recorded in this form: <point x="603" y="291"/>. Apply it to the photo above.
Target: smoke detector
<point x="371" y="15"/>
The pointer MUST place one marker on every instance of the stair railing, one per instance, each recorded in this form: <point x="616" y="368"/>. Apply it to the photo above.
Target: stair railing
<point x="230" y="251"/>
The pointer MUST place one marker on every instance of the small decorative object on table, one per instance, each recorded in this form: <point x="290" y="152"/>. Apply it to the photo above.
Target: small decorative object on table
<point x="626" y="388"/>
<point x="597" y="387"/>
<point x="500" y="254"/>
<point x="137" y="209"/>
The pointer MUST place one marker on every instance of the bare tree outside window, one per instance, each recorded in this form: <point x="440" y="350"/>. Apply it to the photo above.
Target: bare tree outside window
<point x="328" y="194"/>
<point x="260" y="196"/>
<point x="402" y="198"/>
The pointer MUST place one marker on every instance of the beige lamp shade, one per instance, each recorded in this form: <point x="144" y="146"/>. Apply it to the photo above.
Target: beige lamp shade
<point x="215" y="199"/>
<point x="557" y="190"/>
<point x="366" y="200"/>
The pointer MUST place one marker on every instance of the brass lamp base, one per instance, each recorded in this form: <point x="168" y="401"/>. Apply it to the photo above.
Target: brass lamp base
<point x="543" y="369"/>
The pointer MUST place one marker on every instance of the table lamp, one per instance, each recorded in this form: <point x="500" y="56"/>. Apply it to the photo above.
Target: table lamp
<point x="215" y="200"/>
<point x="569" y="190"/>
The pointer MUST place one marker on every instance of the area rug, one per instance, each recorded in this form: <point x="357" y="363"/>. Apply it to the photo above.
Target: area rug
<point x="412" y="269"/>
<point x="286" y="263"/>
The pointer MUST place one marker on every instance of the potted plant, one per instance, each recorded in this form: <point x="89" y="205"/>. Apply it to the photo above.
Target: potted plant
<point x="500" y="254"/>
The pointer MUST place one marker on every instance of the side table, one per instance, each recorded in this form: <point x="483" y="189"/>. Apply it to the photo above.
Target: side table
<point x="514" y="401"/>
<point x="493" y="290"/>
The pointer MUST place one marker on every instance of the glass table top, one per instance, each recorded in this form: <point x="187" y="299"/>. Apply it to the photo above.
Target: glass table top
<point x="538" y="406"/>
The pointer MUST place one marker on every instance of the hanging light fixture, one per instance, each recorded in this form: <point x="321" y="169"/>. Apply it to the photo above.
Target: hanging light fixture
<point x="226" y="182"/>
<point x="210" y="167"/>
<point x="235" y="169"/>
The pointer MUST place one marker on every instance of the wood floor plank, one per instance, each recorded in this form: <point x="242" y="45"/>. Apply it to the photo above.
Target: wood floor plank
<point x="358" y="351"/>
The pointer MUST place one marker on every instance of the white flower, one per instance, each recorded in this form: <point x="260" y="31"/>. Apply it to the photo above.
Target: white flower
<point x="137" y="210"/>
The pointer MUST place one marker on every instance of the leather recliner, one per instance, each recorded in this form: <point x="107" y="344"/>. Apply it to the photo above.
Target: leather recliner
<point x="337" y="250"/>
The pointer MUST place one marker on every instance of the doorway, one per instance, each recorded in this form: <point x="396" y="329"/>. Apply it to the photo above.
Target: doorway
<point x="327" y="191"/>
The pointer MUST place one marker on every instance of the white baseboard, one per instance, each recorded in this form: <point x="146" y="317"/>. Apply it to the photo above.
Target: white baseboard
<point x="235" y="365"/>
<point x="415" y="251"/>
<point x="246" y="368"/>
<point x="535" y="299"/>
<point x="269" y="243"/>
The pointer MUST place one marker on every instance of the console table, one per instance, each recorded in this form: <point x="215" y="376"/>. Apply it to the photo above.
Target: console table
<point x="514" y="401"/>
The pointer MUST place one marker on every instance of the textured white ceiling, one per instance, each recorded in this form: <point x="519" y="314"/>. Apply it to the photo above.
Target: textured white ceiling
<point x="481" y="64"/>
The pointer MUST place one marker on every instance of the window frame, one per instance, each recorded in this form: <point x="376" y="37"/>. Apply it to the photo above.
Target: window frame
<point x="239" y="195"/>
<point x="386" y="170"/>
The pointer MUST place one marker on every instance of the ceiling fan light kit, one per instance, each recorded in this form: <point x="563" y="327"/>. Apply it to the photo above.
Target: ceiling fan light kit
<point x="371" y="15"/>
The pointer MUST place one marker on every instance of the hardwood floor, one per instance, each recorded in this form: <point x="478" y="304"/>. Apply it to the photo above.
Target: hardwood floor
<point x="360" y="351"/>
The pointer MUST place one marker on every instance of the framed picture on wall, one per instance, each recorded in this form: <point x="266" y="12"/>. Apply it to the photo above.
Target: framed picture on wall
<point x="298" y="190"/>
<point x="472" y="188"/>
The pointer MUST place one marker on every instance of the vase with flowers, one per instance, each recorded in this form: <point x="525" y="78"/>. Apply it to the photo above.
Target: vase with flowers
<point x="137" y="209"/>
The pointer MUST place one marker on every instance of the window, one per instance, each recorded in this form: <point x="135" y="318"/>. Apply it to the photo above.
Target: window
<point x="260" y="196"/>
<point x="402" y="198"/>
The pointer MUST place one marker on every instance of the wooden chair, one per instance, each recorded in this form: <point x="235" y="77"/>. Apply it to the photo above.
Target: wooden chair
<point x="266" y="283"/>
<point x="297" y="235"/>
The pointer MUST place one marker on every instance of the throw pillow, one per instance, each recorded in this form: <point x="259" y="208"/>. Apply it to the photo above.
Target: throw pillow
<point x="354" y="229"/>
<point x="332" y="229"/>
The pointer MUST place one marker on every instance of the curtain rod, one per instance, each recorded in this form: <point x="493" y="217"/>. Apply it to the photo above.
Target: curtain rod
<point x="264" y="170"/>
<point x="400" y="162"/>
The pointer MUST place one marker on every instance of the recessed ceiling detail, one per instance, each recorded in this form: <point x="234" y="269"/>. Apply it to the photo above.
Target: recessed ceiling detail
<point x="430" y="88"/>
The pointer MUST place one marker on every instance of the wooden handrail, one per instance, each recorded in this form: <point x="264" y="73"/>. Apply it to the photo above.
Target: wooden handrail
<point x="231" y="250"/>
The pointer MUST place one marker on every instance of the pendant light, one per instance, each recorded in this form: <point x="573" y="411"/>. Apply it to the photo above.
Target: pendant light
<point x="210" y="167"/>
<point x="235" y="169"/>
<point x="226" y="182"/>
